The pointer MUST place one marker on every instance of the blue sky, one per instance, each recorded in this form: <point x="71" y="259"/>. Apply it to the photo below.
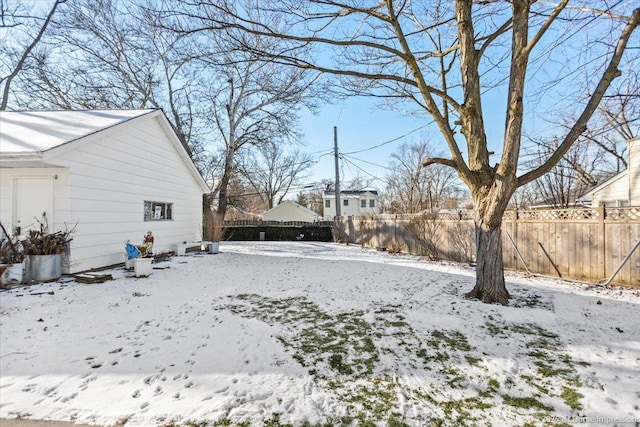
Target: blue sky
<point x="362" y="125"/>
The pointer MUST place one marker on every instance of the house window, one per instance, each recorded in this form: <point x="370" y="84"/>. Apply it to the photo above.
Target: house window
<point x="327" y="203"/>
<point x="345" y="202"/>
<point x="363" y="203"/>
<point x="158" y="211"/>
<point x="372" y="203"/>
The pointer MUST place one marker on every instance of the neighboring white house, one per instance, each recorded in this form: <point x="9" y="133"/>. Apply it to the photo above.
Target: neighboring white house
<point x="352" y="203"/>
<point x="290" y="211"/>
<point x="116" y="174"/>
<point x="624" y="188"/>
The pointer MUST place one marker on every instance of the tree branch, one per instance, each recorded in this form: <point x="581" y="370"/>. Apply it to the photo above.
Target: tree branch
<point x="580" y="126"/>
<point x="440" y="161"/>
<point x="25" y="55"/>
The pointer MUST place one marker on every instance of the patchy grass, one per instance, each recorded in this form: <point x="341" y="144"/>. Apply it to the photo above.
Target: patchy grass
<point x="357" y="360"/>
<point x="340" y="344"/>
<point x="572" y="398"/>
<point x="525" y="403"/>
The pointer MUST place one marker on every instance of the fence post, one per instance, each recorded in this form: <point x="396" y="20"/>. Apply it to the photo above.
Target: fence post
<point x="602" y="250"/>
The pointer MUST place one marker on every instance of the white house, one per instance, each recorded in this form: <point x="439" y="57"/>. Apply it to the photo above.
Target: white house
<point x="114" y="175"/>
<point x="352" y="203"/>
<point x="290" y="211"/>
<point x="622" y="189"/>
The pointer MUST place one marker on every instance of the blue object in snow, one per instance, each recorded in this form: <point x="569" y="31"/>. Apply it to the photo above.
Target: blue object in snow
<point x="132" y="251"/>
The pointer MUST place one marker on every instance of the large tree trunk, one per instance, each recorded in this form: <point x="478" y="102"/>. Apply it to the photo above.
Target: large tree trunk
<point x="490" y="286"/>
<point x="490" y="204"/>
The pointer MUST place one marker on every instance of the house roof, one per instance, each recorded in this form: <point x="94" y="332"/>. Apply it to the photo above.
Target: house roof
<point x="38" y="131"/>
<point x="351" y="193"/>
<point x="297" y="205"/>
<point x="588" y="196"/>
<point x="26" y="135"/>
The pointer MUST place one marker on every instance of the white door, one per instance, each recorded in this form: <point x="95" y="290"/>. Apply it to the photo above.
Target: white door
<point x="32" y="202"/>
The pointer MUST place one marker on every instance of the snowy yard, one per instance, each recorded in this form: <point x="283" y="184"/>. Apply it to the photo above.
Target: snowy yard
<point x="318" y="333"/>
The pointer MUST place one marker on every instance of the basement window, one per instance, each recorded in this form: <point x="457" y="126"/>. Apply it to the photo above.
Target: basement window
<point x="158" y="211"/>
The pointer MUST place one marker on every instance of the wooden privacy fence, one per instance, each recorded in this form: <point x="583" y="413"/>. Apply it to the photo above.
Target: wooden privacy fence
<point x="580" y="244"/>
<point x="253" y="230"/>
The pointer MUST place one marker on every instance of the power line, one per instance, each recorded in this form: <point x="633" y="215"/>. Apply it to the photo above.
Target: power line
<point x="368" y="173"/>
<point x="370" y="163"/>
<point x="391" y="140"/>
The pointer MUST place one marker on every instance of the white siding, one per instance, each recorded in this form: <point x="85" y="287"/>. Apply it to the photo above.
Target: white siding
<point x="612" y="194"/>
<point x="354" y="205"/>
<point x="354" y="208"/>
<point x="111" y="174"/>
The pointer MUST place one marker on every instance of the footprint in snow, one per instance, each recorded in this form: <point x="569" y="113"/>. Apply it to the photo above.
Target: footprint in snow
<point x="47" y="391"/>
<point x="68" y="398"/>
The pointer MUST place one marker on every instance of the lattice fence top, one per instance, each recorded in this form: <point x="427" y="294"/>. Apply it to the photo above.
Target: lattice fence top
<point x="579" y="214"/>
<point x="259" y="223"/>
<point x="627" y="213"/>
<point x="558" y="214"/>
<point x="574" y="214"/>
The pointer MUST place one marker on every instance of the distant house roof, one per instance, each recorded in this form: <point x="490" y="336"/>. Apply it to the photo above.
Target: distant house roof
<point x="352" y="192"/>
<point x="291" y="202"/>
<point x="588" y="196"/>
<point x="38" y="131"/>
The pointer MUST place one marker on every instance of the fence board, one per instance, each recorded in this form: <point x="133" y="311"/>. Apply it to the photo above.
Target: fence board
<point x="585" y="244"/>
<point x="634" y="267"/>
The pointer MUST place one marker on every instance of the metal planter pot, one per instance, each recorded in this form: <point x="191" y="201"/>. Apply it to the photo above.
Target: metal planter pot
<point x="43" y="268"/>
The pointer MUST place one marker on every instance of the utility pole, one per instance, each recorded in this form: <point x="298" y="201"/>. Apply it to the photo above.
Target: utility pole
<point x="335" y="154"/>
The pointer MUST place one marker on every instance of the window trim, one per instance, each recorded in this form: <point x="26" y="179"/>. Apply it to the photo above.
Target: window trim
<point x="150" y="211"/>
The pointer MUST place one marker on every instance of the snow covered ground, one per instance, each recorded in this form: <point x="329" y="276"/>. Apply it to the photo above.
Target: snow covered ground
<point x="281" y="332"/>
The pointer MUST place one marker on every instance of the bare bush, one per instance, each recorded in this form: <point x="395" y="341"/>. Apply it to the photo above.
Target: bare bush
<point x="425" y="230"/>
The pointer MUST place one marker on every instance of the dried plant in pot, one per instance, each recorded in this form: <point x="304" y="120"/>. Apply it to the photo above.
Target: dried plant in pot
<point x="44" y="252"/>
<point x="11" y="258"/>
<point x="215" y="231"/>
<point x="11" y="249"/>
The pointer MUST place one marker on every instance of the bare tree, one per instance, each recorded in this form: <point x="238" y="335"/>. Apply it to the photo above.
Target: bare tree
<point x="598" y="154"/>
<point x="103" y="54"/>
<point x="444" y="57"/>
<point x="412" y="188"/>
<point x="271" y="170"/>
<point x="616" y="121"/>
<point x="255" y="105"/>
<point x="16" y="20"/>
